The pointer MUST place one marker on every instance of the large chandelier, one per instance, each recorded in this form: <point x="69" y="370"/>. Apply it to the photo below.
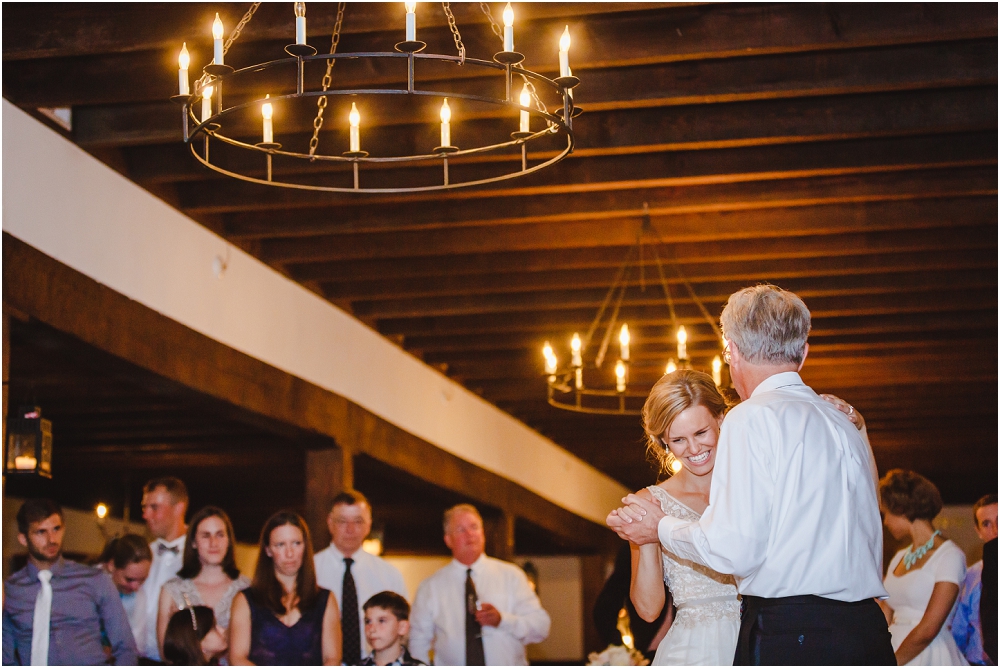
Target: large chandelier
<point x="568" y="386"/>
<point x="240" y="137"/>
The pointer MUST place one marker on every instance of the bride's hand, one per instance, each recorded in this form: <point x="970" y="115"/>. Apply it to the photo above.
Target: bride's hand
<point x="852" y="414"/>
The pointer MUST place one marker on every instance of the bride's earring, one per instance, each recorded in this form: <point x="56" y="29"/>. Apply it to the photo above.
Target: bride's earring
<point x="673" y="465"/>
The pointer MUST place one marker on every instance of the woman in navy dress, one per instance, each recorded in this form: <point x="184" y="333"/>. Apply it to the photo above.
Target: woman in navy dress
<point x="283" y="618"/>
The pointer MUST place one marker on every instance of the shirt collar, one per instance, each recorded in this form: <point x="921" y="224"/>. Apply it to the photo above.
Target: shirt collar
<point x="340" y="556"/>
<point x="176" y="542"/>
<point x="476" y="565"/>
<point x="783" y="379"/>
<point x="56" y="568"/>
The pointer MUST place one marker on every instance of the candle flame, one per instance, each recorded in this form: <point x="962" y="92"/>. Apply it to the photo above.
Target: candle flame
<point x="547" y="351"/>
<point x="266" y="110"/>
<point x="682" y="335"/>
<point x="354" y="117"/>
<point x="217" y="29"/>
<point x="184" y="59"/>
<point x="624" y="337"/>
<point x="717" y="364"/>
<point x="564" y="40"/>
<point x="508" y="15"/>
<point x="445" y="112"/>
<point x="525" y="95"/>
<point x="300" y="9"/>
<point x="671" y="366"/>
<point x="101" y="510"/>
<point x="411" y="7"/>
<point x="575" y="343"/>
<point x="620" y="369"/>
<point x="206" y="92"/>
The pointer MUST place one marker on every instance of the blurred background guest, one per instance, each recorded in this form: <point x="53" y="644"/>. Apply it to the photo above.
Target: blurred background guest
<point x="208" y="576"/>
<point x="967" y="627"/>
<point x="127" y="560"/>
<point x="164" y="505"/>
<point x="284" y="617"/>
<point x="193" y="639"/>
<point x="924" y="578"/>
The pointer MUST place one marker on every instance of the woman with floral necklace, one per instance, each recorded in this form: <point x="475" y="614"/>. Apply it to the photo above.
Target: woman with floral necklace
<point x="923" y="578"/>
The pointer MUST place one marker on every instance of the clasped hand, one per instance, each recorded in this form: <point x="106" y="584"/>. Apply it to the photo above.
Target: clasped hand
<point x="637" y="520"/>
<point x="487" y="615"/>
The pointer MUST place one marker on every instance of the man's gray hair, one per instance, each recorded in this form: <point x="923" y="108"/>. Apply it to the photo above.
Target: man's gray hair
<point x="769" y="325"/>
<point x="449" y="514"/>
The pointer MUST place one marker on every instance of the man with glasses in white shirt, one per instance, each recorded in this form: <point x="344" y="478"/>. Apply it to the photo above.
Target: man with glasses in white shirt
<point x="352" y="574"/>
<point x="793" y="511"/>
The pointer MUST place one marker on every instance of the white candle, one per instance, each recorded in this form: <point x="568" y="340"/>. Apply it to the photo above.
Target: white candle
<point x="620" y="376"/>
<point x="25" y="463"/>
<point x="551" y="363"/>
<point x="624" y="338"/>
<point x="445" y="124"/>
<point x="525" y="101"/>
<point x="355" y="119"/>
<point x="183" y="62"/>
<point x="300" y="23"/>
<point x="717" y="371"/>
<point x="579" y="378"/>
<point x="575" y="346"/>
<point x="411" y="24"/>
<point x="682" y="340"/>
<point x="206" y="103"/>
<point x="508" y="28"/>
<point x="217" y="32"/>
<point x="564" y="53"/>
<point x="266" y="110"/>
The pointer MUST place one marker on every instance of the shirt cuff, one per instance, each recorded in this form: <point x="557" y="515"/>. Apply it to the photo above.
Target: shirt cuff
<point x="665" y="527"/>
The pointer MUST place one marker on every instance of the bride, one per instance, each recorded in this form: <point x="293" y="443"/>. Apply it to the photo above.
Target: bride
<point x="682" y="418"/>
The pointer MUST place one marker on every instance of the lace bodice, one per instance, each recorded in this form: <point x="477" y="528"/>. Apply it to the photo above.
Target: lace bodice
<point x="699" y="592"/>
<point x="185" y="593"/>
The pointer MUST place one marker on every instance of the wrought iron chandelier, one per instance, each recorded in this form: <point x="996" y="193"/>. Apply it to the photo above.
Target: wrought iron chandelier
<point x="566" y="383"/>
<point x="219" y="136"/>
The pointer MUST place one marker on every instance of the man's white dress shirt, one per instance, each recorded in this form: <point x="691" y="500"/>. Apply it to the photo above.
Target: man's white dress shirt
<point x="794" y="508"/>
<point x="437" y="620"/>
<point x="164" y="567"/>
<point x="371" y="575"/>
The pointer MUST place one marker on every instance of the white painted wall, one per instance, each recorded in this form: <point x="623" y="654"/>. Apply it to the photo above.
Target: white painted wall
<point x="75" y="209"/>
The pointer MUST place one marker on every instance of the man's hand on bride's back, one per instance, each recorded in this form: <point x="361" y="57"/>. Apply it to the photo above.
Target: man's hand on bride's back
<point x="637" y="520"/>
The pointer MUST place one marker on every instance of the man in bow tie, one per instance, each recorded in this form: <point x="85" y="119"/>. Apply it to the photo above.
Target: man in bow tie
<point x="54" y="609"/>
<point x="164" y="505"/>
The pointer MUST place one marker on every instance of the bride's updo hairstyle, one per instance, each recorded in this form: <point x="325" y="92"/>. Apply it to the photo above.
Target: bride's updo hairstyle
<point x="672" y="395"/>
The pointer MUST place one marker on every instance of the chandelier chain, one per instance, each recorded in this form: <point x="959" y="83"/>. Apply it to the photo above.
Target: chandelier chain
<point x="327" y="79"/>
<point x="454" y="32"/>
<point x="233" y="36"/>
<point x="498" y="31"/>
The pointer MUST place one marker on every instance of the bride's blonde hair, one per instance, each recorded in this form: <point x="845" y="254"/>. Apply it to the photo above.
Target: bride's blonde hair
<point x="672" y="395"/>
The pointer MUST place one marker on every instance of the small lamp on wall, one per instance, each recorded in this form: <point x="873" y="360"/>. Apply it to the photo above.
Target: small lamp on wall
<point x="28" y="450"/>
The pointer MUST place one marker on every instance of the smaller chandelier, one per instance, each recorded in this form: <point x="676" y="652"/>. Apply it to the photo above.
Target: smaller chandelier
<point x="567" y="388"/>
<point x="302" y="165"/>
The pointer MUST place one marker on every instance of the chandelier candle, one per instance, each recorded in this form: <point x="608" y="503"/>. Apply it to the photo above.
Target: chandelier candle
<point x="717" y="371"/>
<point x="445" y="124"/>
<point x="355" y="119"/>
<point x="682" y="343"/>
<point x="575" y="345"/>
<point x="564" y="54"/>
<point x="671" y="366"/>
<point x="300" y="24"/>
<point x="206" y="103"/>
<point x="267" y="111"/>
<point x="411" y="26"/>
<point x="620" y="376"/>
<point x="525" y="101"/>
<point x="183" y="62"/>
<point x="508" y="28"/>
<point x="217" y="32"/>
<point x="624" y="338"/>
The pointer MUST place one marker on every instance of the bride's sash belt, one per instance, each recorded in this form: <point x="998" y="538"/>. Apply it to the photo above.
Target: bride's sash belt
<point x="705" y="601"/>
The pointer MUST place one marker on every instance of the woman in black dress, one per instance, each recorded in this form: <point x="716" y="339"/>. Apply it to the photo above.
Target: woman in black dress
<point x="284" y="618"/>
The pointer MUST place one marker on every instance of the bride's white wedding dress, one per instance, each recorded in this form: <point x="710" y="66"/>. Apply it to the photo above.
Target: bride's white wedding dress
<point x="707" y="624"/>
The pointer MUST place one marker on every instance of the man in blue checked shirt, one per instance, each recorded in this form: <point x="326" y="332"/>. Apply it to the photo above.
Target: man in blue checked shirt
<point x="966" y="626"/>
<point x="53" y="608"/>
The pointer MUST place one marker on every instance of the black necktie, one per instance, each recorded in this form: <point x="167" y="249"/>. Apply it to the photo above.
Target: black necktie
<point x="350" y="624"/>
<point x="474" y="655"/>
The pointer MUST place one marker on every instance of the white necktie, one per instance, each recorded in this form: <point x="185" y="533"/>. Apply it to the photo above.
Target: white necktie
<point x="40" y="623"/>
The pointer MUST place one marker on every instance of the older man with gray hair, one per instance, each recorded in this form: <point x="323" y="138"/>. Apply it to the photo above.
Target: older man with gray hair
<point x="793" y="510"/>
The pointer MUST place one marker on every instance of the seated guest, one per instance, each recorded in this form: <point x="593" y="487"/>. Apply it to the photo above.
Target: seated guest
<point x="53" y="608"/>
<point x="283" y="617"/>
<point x="127" y="560"/>
<point x="966" y="626"/>
<point x="923" y="579"/>
<point x="387" y="624"/>
<point x="193" y="639"/>
<point x="208" y="575"/>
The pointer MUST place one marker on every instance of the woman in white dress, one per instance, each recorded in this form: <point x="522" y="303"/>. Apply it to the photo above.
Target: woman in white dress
<point x="208" y="575"/>
<point x="682" y="418"/>
<point x="923" y="579"/>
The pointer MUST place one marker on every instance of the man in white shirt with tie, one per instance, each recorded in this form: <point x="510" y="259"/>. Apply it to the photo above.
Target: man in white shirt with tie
<point x="476" y="611"/>
<point x="793" y="510"/>
<point x="352" y="574"/>
<point x="164" y="506"/>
